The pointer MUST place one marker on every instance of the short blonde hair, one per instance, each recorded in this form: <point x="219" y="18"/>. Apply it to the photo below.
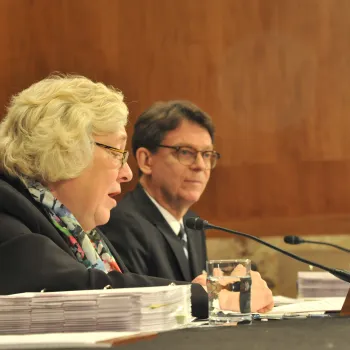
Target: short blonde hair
<point x="47" y="134"/>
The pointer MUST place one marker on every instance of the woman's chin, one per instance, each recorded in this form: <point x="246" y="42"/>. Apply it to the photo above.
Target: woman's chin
<point x="112" y="201"/>
<point x="103" y="213"/>
<point x="103" y="219"/>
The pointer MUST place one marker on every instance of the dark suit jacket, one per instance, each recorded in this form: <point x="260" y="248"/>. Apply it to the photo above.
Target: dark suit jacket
<point x="34" y="256"/>
<point x="148" y="245"/>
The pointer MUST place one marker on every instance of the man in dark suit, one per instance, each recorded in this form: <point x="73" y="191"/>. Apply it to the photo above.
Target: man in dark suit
<point x="173" y="145"/>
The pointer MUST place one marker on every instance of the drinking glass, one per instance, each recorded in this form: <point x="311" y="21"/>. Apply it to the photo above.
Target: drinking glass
<point x="229" y="291"/>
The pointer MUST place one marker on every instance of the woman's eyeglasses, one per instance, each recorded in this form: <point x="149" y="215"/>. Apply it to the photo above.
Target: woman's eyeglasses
<point x="118" y="154"/>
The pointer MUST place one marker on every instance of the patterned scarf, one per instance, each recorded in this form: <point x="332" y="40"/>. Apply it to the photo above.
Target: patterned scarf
<point x="88" y="247"/>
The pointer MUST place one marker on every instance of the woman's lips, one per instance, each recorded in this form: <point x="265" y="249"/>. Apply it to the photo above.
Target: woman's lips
<point x="113" y="194"/>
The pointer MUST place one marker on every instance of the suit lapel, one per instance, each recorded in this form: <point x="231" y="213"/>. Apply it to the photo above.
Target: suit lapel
<point x="153" y="215"/>
<point x="176" y="247"/>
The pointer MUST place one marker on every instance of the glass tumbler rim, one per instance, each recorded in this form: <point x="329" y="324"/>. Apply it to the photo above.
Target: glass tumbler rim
<point x="228" y="260"/>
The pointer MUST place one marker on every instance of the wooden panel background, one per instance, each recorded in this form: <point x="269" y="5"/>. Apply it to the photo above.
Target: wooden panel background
<point x="274" y="75"/>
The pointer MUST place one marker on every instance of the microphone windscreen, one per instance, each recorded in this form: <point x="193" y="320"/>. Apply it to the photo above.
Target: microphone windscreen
<point x="292" y="240"/>
<point x="195" y="223"/>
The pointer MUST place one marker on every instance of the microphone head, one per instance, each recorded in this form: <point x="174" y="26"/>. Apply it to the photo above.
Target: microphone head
<point x="293" y="240"/>
<point x="196" y="223"/>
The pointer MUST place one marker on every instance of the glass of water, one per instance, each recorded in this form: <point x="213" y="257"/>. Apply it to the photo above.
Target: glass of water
<point x="229" y="291"/>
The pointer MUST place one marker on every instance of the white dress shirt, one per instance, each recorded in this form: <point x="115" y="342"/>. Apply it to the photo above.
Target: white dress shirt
<point x="169" y="218"/>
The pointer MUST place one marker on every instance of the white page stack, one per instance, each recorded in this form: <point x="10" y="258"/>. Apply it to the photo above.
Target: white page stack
<point x="126" y="310"/>
<point x="314" y="284"/>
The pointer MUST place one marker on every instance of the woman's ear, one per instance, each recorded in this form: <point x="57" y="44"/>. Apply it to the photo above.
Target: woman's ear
<point x="144" y="160"/>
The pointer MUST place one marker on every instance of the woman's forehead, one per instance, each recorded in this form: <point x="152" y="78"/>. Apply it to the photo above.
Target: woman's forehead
<point x="121" y="136"/>
<point x="118" y="136"/>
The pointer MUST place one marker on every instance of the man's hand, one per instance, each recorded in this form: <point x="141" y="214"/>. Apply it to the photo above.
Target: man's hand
<point x="201" y="279"/>
<point x="261" y="298"/>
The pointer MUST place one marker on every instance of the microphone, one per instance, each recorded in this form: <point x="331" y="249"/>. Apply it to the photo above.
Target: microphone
<point x="298" y="240"/>
<point x="196" y="223"/>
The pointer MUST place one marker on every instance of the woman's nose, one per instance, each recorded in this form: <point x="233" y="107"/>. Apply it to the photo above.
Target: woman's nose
<point x="125" y="173"/>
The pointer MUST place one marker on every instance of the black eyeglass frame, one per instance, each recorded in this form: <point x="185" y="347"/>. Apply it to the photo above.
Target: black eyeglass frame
<point x="178" y="148"/>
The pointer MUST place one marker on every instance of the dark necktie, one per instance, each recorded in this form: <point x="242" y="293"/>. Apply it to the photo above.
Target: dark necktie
<point x="183" y="237"/>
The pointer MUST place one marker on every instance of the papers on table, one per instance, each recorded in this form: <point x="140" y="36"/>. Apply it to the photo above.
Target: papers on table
<point x="304" y="308"/>
<point x="321" y="305"/>
<point x="71" y="340"/>
<point x="313" y="284"/>
<point x="63" y="339"/>
<point x="131" y="309"/>
<point x="279" y="300"/>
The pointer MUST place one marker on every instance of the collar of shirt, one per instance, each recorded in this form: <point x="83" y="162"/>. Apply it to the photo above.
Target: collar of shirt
<point x="169" y="218"/>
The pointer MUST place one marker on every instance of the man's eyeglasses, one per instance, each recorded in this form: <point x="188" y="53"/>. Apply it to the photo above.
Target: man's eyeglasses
<point x="116" y="153"/>
<point x="187" y="156"/>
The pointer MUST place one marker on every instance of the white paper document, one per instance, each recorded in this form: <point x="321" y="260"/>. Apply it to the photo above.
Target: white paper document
<point x="279" y="300"/>
<point x="103" y="339"/>
<point x="309" y="307"/>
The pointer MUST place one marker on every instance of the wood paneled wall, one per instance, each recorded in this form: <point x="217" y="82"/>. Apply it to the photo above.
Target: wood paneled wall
<point x="274" y="75"/>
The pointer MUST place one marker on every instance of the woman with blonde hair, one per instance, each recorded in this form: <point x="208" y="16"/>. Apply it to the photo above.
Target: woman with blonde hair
<point x="62" y="162"/>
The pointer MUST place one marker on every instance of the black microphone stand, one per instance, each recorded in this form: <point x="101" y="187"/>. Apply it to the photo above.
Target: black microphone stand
<point x="197" y="223"/>
<point x="325" y="243"/>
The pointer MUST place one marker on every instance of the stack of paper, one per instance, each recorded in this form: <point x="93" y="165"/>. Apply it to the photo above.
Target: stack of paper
<point x="132" y="309"/>
<point x="15" y="317"/>
<point x="320" y="284"/>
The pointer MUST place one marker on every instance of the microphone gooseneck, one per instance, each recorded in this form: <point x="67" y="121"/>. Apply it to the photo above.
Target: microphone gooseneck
<point x="299" y="240"/>
<point x="196" y="223"/>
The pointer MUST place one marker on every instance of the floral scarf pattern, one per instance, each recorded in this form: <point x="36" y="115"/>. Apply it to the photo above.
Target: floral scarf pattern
<point x="88" y="247"/>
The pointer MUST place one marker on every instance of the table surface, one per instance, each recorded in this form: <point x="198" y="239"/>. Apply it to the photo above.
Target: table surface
<point x="293" y="334"/>
<point x="297" y="334"/>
